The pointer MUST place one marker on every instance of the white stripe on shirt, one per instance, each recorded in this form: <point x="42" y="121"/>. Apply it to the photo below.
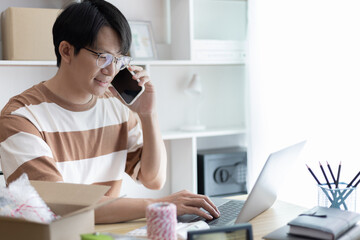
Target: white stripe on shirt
<point x="135" y="140"/>
<point x="25" y="147"/>
<point x="109" y="111"/>
<point x="112" y="164"/>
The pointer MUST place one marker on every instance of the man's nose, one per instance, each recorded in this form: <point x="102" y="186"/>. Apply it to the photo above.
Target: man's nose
<point x="110" y="70"/>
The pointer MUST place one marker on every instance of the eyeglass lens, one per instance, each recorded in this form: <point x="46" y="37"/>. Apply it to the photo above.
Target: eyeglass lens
<point x="106" y="59"/>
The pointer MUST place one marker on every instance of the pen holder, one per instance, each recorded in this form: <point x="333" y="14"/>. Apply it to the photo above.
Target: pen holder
<point x="341" y="197"/>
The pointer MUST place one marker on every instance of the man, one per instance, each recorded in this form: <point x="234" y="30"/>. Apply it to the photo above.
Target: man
<point x="74" y="128"/>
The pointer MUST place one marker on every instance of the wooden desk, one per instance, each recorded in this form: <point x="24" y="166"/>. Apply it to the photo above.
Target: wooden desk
<point x="278" y="215"/>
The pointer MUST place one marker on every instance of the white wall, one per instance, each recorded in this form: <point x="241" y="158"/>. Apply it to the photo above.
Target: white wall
<point x="304" y="81"/>
<point x="15" y="79"/>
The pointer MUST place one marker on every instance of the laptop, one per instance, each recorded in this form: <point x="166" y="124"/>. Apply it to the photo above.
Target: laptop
<point x="262" y="195"/>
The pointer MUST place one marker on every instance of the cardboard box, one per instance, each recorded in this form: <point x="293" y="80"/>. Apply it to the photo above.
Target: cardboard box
<point x="75" y="203"/>
<point x="27" y="33"/>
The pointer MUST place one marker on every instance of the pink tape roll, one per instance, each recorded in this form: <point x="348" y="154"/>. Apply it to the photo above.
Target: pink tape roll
<point x="161" y="221"/>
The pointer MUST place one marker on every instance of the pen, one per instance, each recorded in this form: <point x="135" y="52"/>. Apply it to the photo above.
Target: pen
<point x="357" y="183"/>
<point x="353" y="179"/>
<point x="317" y="180"/>
<point x="327" y="180"/>
<point x="338" y="175"/>
<point x="332" y="175"/>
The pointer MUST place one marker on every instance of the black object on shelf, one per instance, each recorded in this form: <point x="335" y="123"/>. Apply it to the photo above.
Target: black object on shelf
<point x="222" y="171"/>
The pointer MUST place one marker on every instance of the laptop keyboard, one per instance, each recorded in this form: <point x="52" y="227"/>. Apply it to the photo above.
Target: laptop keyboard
<point x="228" y="212"/>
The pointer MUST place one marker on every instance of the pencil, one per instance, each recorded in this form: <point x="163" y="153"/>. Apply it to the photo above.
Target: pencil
<point x="327" y="180"/>
<point x="332" y="175"/>
<point x="317" y="180"/>
<point x="357" y="183"/>
<point x="353" y="180"/>
<point x="338" y="175"/>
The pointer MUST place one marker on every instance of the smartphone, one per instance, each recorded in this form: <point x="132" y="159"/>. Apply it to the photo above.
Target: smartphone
<point x="128" y="88"/>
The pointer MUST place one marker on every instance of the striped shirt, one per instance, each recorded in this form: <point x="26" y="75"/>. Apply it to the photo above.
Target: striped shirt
<point x="51" y="139"/>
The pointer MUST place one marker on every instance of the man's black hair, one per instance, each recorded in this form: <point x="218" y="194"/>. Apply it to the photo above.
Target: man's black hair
<point x="80" y="23"/>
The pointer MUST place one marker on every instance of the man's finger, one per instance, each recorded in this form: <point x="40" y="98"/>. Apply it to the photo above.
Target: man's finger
<point x="197" y="211"/>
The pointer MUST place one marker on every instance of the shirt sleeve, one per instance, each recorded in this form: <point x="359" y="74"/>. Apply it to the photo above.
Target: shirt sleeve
<point x="135" y="143"/>
<point x="23" y="150"/>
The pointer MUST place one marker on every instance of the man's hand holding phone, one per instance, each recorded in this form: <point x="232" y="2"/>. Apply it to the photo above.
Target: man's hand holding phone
<point x="127" y="87"/>
<point x="134" y="89"/>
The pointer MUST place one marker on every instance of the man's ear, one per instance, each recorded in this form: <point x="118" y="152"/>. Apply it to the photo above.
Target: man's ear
<point x="66" y="51"/>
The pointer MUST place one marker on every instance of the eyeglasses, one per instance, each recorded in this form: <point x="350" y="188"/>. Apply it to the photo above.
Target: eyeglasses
<point x="105" y="59"/>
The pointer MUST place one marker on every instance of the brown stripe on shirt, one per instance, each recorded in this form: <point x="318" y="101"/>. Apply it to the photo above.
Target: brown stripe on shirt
<point x="132" y="159"/>
<point x="42" y="168"/>
<point x="69" y="146"/>
<point x="12" y="124"/>
<point x="32" y="96"/>
<point x="40" y="94"/>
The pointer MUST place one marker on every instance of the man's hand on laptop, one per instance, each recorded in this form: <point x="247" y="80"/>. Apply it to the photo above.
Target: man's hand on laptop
<point x="190" y="203"/>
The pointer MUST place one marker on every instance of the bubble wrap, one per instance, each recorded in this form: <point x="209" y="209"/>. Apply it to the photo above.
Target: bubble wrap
<point x="20" y="200"/>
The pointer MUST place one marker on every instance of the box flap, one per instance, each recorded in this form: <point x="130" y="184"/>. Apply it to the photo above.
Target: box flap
<point x="69" y="193"/>
<point x="91" y="207"/>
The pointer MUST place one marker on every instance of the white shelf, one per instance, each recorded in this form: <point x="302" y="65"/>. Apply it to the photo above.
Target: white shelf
<point x="27" y="63"/>
<point x="147" y="62"/>
<point x="211" y="132"/>
<point x="186" y="63"/>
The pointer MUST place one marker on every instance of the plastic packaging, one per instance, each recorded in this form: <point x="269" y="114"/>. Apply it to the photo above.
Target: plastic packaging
<point x="20" y="200"/>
